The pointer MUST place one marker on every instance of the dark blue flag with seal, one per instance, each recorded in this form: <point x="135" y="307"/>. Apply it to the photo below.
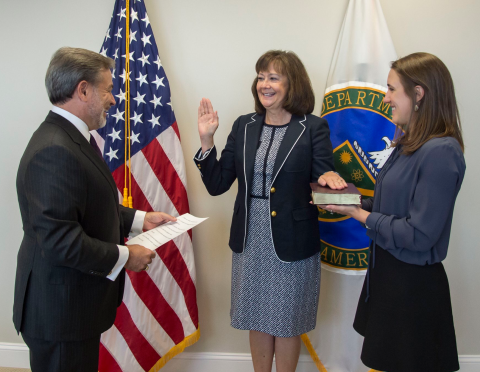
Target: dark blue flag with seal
<point x="361" y="134"/>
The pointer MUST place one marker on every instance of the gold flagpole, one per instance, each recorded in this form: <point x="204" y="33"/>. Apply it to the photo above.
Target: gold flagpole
<point x="127" y="191"/>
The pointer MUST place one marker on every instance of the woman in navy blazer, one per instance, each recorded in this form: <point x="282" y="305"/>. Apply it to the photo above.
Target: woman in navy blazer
<point x="274" y="154"/>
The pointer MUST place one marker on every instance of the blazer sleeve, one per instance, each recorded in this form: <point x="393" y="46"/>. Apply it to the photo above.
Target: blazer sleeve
<point x="219" y="175"/>
<point x="128" y="215"/>
<point x="322" y="152"/>
<point x="367" y="204"/>
<point x="54" y="187"/>
<point x="434" y="198"/>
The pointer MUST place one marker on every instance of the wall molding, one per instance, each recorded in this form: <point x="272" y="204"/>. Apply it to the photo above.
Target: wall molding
<point x="16" y="355"/>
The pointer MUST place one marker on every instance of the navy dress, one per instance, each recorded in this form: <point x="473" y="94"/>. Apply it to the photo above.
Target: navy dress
<point x="270" y="295"/>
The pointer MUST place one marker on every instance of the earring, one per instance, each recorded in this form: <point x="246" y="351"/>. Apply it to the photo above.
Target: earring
<point x="416" y="108"/>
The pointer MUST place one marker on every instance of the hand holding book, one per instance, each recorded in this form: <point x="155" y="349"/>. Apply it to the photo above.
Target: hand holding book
<point x="345" y="201"/>
<point x="353" y="211"/>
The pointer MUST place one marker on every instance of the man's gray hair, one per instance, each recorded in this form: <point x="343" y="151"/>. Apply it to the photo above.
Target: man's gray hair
<point x="70" y="66"/>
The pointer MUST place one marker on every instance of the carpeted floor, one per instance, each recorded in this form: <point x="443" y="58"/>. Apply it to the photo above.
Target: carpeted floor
<point x="9" y="369"/>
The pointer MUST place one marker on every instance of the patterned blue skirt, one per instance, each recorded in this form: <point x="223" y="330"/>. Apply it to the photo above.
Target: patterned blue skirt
<point x="269" y="295"/>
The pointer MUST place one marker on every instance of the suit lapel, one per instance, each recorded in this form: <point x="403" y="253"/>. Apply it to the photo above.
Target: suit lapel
<point x="294" y="131"/>
<point x="85" y="147"/>
<point x="253" y="129"/>
<point x="89" y="152"/>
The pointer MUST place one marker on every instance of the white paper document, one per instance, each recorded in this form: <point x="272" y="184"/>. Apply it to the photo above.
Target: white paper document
<point x="162" y="234"/>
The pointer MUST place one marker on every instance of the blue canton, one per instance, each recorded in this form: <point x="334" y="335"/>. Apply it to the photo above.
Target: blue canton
<point x="151" y="110"/>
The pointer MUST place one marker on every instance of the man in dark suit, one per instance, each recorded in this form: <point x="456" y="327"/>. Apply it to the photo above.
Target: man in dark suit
<point x="70" y="267"/>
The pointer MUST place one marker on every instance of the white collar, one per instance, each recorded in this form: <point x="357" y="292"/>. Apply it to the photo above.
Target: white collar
<point x="75" y="120"/>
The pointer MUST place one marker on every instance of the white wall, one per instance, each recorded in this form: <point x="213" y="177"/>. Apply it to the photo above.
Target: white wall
<point x="209" y="49"/>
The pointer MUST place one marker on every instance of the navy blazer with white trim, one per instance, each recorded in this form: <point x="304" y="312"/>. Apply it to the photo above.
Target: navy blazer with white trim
<point x="304" y="154"/>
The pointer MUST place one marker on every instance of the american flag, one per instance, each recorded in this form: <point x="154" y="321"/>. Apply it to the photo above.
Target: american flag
<point x="158" y="317"/>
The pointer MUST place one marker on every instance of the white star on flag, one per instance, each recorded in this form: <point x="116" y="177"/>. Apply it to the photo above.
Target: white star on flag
<point x="144" y="59"/>
<point x="139" y="98"/>
<point x="119" y="115"/>
<point x="158" y="62"/>
<point x="103" y="52"/>
<point x="115" y="135"/>
<point x="158" y="82"/>
<point x="154" y="120"/>
<point x="123" y="76"/>
<point x="156" y="101"/>
<point x="137" y="118"/>
<point x="142" y="78"/>
<point x="134" y="137"/>
<point x="112" y="154"/>
<point x="133" y="15"/>
<point x="132" y="36"/>
<point x="146" y="39"/>
<point x="119" y="33"/>
<point x="121" y="95"/>
<point x="146" y="20"/>
<point x="122" y="13"/>
<point x="131" y="56"/>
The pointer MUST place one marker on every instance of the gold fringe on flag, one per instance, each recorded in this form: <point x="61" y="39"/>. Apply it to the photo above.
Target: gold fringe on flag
<point x="177" y="349"/>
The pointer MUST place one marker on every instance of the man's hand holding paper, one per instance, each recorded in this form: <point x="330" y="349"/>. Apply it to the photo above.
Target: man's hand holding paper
<point x="162" y="234"/>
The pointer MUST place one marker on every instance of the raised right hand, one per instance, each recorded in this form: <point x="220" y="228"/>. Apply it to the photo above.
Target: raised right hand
<point x="139" y="257"/>
<point x="207" y="123"/>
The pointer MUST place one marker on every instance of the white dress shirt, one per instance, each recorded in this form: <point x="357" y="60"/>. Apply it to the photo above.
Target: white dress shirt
<point x="139" y="215"/>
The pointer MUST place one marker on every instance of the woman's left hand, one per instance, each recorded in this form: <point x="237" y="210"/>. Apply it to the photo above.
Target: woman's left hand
<point x="353" y="211"/>
<point x="332" y="180"/>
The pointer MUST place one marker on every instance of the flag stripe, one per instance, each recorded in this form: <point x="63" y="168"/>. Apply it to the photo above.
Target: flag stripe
<point x="106" y="362"/>
<point x="173" y="294"/>
<point x="145" y="322"/>
<point x="185" y="247"/>
<point x="119" y="350"/>
<point x="148" y="183"/>
<point x="140" y="200"/>
<point x="167" y="176"/>
<point x="170" y="142"/>
<point x="177" y="267"/>
<point x="160" y="309"/>
<point x="175" y="128"/>
<point x="141" y="349"/>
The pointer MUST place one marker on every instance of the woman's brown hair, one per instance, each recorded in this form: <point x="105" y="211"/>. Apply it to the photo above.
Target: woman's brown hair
<point x="300" y="99"/>
<point x="437" y="114"/>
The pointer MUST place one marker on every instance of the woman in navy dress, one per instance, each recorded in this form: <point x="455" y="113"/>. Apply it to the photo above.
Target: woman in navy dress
<point x="274" y="153"/>
<point x="404" y="311"/>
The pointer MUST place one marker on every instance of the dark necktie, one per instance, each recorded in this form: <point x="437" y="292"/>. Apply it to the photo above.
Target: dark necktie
<point x="95" y="146"/>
